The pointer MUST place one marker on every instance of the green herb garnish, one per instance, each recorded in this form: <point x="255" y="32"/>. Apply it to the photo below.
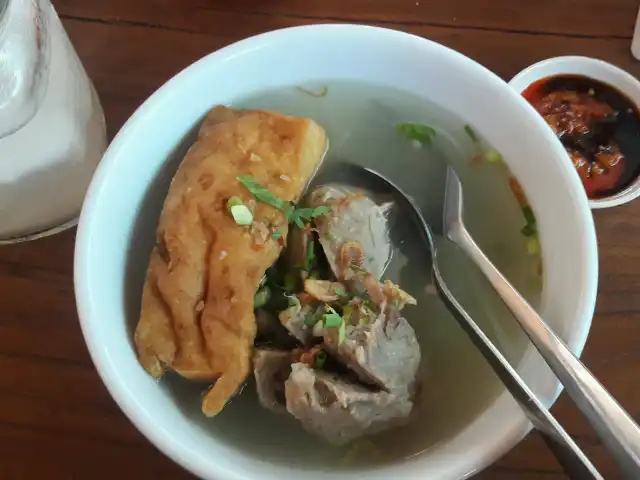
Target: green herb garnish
<point x="242" y="215"/>
<point x="276" y="235"/>
<point x="529" y="230"/>
<point x="261" y="297"/>
<point x="262" y="194"/>
<point x="322" y="93"/>
<point x="293" y="215"/>
<point x="342" y="333"/>
<point x="417" y="131"/>
<point x="347" y="313"/>
<point x="472" y="134"/>
<point x="310" y="320"/>
<point x="493" y="156"/>
<point x="528" y="215"/>
<point x="340" y="292"/>
<point x="331" y="318"/>
<point x="233" y="202"/>
<point x="533" y="245"/>
<point x="300" y="215"/>
<point x="319" y="359"/>
<point x="239" y="211"/>
<point x="311" y="255"/>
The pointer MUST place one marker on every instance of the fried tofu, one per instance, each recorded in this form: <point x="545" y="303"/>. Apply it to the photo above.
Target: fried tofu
<point x="197" y="316"/>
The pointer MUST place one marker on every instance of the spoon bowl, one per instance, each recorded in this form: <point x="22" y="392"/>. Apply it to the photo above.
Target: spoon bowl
<point x="612" y="423"/>
<point x="618" y="431"/>
<point x="576" y="464"/>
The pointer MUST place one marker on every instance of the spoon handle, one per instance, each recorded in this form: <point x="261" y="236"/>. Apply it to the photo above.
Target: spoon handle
<point x="612" y="423"/>
<point x="569" y="455"/>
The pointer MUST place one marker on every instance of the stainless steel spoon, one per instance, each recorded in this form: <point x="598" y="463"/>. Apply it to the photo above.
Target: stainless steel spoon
<point x="575" y="463"/>
<point x="612" y="423"/>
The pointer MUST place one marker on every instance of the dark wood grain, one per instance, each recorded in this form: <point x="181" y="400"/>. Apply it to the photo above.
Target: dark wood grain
<point x="591" y="18"/>
<point x="57" y="420"/>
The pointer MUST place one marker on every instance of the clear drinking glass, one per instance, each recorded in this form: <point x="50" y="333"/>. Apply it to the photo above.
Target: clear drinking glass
<point x="52" y="128"/>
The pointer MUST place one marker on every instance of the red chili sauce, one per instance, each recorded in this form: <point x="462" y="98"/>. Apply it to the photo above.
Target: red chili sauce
<point x="598" y="126"/>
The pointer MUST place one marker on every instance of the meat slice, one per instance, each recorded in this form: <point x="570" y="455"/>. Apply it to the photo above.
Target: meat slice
<point x="293" y="319"/>
<point x="338" y="411"/>
<point x="385" y="353"/>
<point x="356" y="221"/>
<point x="271" y="368"/>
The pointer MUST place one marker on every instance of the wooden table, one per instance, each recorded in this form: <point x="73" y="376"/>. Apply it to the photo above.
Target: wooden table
<point x="57" y="420"/>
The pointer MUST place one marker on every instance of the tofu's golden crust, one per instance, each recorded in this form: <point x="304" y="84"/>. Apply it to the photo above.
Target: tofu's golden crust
<point x="197" y="306"/>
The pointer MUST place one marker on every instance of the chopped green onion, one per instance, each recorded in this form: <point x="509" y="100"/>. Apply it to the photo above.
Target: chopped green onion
<point x="529" y="230"/>
<point x="493" y="156"/>
<point x="310" y="320"/>
<point x="331" y="318"/>
<point x="239" y="211"/>
<point x="342" y="333"/>
<point x="321" y="210"/>
<point x="276" y="235"/>
<point x="341" y="292"/>
<point x="320" y="358"/>
<point x="533" y="246"/>
<point x="472" y="133"/>
<point x="320" y="94"/>
<point x="419" y="132"/>
<point x="261" y="297"/>
<point x="242" y="215"/>
<point x="311" y="255"/>
<point x="304" y="213"/>
<point x="262" y="194"/>
<point x="233" y="202"/>
<point x="528" y="215"/>
<point x="299" y="215"/>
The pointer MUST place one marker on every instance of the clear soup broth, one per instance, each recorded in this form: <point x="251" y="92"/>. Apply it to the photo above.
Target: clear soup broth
<point x="457" y="384"/>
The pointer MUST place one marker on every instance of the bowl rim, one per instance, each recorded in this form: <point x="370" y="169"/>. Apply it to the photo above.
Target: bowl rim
<point x="117" y="388"/>
<point x="601" y="71"/>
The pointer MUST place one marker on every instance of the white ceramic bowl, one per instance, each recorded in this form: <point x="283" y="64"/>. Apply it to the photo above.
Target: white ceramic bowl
<point x="111" y="254"/>
<point x="597" y="70"/>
